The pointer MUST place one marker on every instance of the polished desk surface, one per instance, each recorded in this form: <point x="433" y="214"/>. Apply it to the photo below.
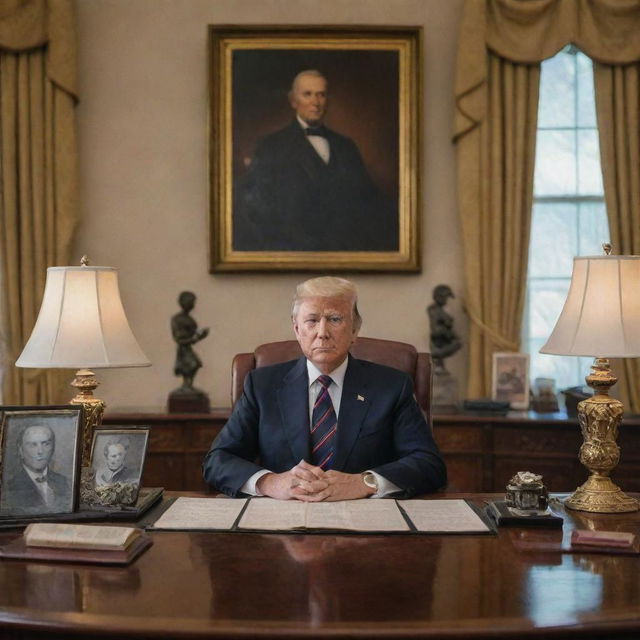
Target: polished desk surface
<point x="244" y="585"/>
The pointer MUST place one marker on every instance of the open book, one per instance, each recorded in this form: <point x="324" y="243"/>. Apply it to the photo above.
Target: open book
<point x="79" y="536"/>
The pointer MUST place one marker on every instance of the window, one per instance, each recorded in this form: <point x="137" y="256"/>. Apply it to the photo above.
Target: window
<point x="569" y="215"/>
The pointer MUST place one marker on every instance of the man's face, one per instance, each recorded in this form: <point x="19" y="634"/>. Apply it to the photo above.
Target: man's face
<point x="115" y="456"/>
<point x="37" y="448"/>
<point x="309" y="99"/>
<point x="324" y="329"/>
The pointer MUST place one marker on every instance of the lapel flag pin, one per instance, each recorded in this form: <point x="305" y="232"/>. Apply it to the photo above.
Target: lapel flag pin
<point x="359" y="397"/>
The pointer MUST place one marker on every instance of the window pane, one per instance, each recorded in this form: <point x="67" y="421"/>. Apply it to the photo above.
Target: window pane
<point x="555" y="172"/>
<point x="589" y="172"/>
<point x="546" y="299"/>
<point x="569" y="214"/>
<point x="586" y="94"/>
<point x="594" y="228"/>
<point x="554" y="240"/>
<point x="565" y="370"/>
<point x="558" y="77"/>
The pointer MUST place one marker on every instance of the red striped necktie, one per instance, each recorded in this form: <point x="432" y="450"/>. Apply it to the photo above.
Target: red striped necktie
<point x="323" y="426"/>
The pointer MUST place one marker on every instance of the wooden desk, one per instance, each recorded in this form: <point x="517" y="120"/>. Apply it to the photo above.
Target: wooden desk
<point x="481" y="451"/>
<point x="212" y="585"/>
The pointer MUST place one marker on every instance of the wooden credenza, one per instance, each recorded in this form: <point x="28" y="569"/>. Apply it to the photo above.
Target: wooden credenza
<point x="481" y="451"/>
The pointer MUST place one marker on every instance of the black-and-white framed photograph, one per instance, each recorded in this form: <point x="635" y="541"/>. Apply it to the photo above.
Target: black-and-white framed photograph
<point x="510" y="380"/>
<point x="39" y="460"/>
<point x="117" y="458"/>
<point x="315" y="147"/>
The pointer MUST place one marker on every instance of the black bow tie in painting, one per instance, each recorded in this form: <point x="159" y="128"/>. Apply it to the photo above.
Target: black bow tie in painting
<point x="40" y="479"/>
<point x="317" y="131"/>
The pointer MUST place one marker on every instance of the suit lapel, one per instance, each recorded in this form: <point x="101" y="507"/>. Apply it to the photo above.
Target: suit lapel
<point x="354" y="405"/>
<point x="293" y="400"/>
<point x="305" y="154"/>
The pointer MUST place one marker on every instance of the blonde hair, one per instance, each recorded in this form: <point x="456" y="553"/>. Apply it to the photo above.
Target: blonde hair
<point x="328" y="287"/>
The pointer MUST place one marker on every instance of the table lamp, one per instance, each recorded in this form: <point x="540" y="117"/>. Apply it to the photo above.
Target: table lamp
<point x="600" y="318"/>
<point x="82" y="325"/>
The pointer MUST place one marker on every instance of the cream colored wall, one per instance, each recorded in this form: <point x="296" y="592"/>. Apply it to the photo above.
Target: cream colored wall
<point x="142" y="125"/>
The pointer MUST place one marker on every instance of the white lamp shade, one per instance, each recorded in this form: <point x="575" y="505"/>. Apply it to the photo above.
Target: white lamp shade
<point x="82" y="323"/>
<point x="601" y="315"/>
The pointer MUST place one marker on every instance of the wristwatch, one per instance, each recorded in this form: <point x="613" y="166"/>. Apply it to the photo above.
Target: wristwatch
<point x="370" y="481"/>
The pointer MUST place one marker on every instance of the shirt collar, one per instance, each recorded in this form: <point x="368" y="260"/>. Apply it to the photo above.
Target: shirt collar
<point x="34" y="474"/>
<point x="304" y="124"/>
<point x="337" y="375"/>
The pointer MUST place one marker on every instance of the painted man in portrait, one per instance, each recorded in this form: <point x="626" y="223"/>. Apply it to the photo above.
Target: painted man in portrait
<point x="307" y="187"/>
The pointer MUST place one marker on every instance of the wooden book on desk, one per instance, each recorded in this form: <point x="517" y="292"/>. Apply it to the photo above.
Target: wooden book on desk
<point x="57" y="542"/>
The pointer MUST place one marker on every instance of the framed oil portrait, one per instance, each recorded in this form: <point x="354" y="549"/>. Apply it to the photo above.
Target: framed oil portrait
<point x="510" y="379"/>
<point x="117" y="458"/>
<point x="315" y="144"/>
<point x="39" y="460"/>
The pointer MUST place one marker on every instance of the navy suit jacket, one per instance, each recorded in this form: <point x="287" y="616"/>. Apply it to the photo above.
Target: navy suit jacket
<point x="22" y="496"/>
<point x="290" y="200"/>
<point x="380" y="427"/>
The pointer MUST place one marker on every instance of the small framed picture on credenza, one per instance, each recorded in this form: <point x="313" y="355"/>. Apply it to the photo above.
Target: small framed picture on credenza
<point x="510" y="379"/>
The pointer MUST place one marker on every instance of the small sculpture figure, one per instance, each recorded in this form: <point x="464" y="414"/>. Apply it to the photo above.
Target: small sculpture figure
<point x="443" y="339"/>
<point x="186" y="333"/>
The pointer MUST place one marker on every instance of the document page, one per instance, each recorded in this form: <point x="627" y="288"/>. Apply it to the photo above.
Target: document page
<point x="356" y="515"/>
<point x="273" y="515"/>
<point x="201" y="513"/>
<point x="443" y="516"/>
<point x="352" y="515"/>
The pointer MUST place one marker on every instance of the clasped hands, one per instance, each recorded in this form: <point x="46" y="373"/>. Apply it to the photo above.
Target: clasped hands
<point x="312" y="484"/>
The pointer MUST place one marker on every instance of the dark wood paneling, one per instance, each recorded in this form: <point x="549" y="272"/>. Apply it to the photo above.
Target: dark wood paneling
<point x="482" y="452"/>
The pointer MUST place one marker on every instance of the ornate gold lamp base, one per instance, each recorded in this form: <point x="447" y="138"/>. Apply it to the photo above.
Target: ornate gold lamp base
<point x="599" y="418"/>
<point x="93" y="408"/>
<point x="599" y="494"/>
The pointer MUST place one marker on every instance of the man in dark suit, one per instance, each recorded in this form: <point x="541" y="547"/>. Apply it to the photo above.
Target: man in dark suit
<point x="326" y="426"/>
<point x="307" y="188"/>
<point x="36" y="488"/>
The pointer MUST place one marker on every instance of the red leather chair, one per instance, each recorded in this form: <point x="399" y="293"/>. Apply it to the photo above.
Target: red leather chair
<point x="399" y="355"/>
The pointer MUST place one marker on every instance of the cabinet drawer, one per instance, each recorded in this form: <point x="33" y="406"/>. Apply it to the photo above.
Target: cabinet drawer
<point x="458" y="438"/>
<point x="548" y="440"/>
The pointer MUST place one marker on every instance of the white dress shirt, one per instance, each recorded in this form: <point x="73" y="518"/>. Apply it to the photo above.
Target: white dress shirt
<point x="385" y="487"/>
<point x="319" y="143"/>
<point x="41" y="485"/>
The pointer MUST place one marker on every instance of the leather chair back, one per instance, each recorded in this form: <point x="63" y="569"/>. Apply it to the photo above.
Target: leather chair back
<point x="398" y="355"/>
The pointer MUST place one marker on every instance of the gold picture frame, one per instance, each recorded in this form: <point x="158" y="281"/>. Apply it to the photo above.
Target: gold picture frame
<point x="274" y="205"/>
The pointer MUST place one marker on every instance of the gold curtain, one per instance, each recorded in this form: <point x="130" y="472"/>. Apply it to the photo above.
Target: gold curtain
<point x="512" y="37"/>
<point x="618" y="108"/>
<point x="496" y="233"/>
<point x="38" y="192"/>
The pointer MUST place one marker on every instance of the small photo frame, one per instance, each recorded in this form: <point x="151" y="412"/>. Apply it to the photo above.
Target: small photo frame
<point x="39" y="460"/>
<point x="510" y="380"/>
<point x="117" y="459"/>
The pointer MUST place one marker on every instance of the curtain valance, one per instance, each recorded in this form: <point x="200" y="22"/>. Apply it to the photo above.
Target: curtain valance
<point x="30" y="24"/>
<point x="529" y="31"/>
